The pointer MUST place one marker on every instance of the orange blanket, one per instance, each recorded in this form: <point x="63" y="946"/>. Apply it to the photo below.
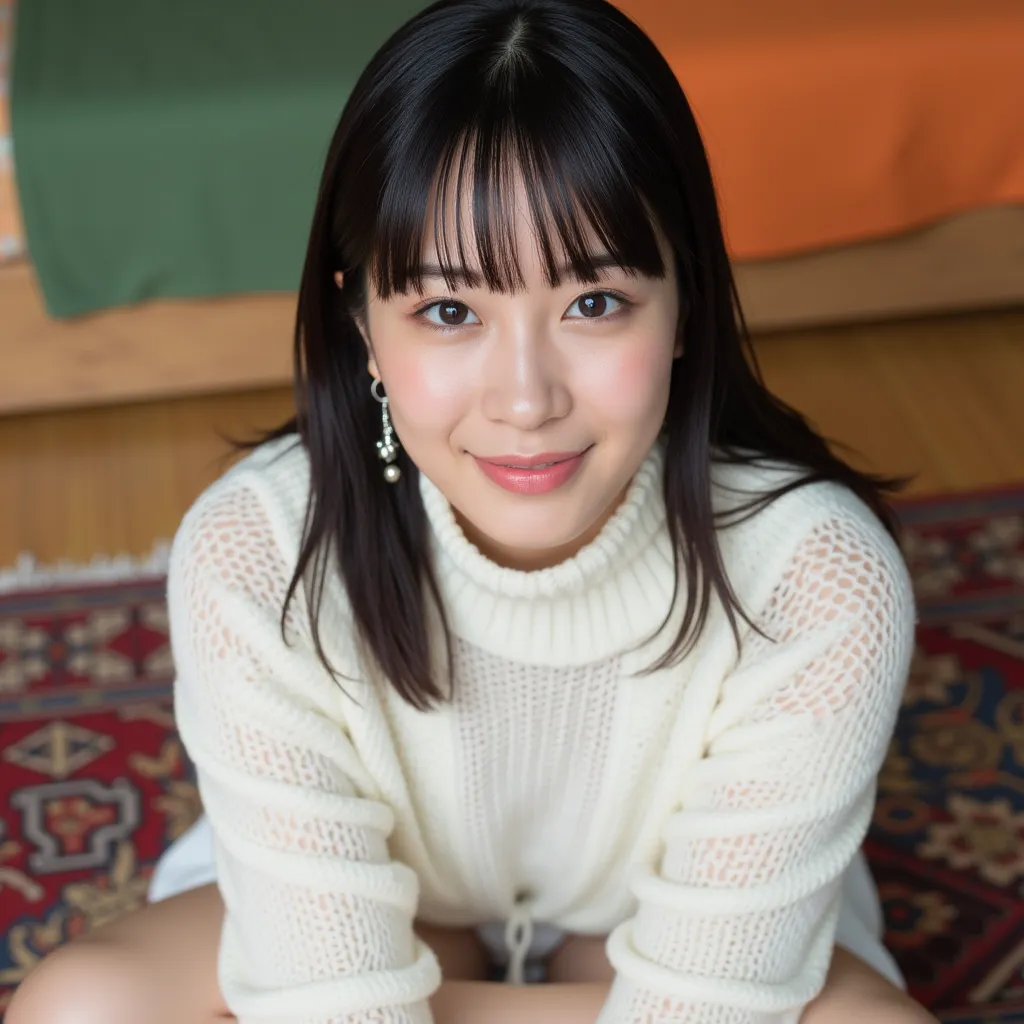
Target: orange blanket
<point x="832" y="121"/>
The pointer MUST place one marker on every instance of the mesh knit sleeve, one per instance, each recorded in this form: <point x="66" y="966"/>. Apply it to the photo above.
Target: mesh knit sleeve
<point x="318" y="918"/>
<point x="737" y="922"/>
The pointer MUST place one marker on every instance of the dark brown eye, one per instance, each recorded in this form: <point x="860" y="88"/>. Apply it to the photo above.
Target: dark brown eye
<point x="593" y="305"/>
<point x="445" y="313"/>
<point x="452" y="314"/>
<point x="597" y="306"/>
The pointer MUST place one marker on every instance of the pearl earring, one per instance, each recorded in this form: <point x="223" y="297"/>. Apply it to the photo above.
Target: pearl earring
<point x="387" y="446"/>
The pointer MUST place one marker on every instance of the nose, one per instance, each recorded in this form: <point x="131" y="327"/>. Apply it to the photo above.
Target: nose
<point x="525" y="380"/>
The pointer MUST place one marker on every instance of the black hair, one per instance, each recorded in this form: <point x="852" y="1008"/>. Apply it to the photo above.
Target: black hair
<point x="575" y="97"/>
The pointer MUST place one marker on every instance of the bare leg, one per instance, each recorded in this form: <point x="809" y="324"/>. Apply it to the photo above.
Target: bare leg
<point x="158" y="964"/>
<point x="853" y="993"/>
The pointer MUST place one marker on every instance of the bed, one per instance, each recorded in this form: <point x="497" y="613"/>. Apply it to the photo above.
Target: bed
<point x="869" y="157"/>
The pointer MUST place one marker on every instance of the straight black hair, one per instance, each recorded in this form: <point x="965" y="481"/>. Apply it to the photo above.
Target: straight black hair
<point x="572" y="95"/>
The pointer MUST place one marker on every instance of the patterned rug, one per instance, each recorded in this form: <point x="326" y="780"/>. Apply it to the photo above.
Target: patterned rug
<point x="94" y="783"/>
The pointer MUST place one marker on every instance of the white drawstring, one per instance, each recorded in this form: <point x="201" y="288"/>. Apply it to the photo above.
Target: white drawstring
<point x="518" y="939"/>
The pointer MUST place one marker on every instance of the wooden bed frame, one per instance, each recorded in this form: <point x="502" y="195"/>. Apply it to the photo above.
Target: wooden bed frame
<point x="167" y="349"/>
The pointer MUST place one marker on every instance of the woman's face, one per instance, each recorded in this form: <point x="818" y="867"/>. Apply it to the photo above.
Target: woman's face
<point x="483" y="386"/>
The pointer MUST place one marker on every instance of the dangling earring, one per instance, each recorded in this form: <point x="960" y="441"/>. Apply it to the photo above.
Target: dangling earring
<point x="387" y="446"/>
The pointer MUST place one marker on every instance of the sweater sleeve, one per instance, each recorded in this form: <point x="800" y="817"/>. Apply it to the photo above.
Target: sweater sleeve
<point x="318" y="921"/>
<point x="737" y="922"/>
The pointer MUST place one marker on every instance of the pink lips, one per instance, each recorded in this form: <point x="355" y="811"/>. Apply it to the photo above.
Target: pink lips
<point x="532" y="474"/>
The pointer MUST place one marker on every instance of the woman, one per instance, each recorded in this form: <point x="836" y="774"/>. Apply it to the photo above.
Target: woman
<point x="544" y="638"/>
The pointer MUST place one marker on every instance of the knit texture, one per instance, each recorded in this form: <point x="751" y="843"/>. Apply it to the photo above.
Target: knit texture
<point x="702" y="814"/>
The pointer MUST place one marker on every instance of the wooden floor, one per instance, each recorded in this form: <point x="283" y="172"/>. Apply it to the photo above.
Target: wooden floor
<point x="943" y="399"/>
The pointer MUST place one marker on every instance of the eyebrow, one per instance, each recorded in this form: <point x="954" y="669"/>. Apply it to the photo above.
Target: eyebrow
<point x="472" y="278"/>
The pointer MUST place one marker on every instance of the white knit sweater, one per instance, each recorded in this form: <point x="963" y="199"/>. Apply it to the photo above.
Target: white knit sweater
<point x="702" y="814"/>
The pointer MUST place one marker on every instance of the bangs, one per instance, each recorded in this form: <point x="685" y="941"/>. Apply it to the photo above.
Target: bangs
<point x="580" y="186"/>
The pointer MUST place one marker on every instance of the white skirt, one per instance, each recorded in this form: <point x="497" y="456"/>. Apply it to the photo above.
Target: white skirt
<point x="189" y="863"/>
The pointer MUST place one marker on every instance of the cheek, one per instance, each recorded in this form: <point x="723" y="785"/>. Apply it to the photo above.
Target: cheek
<point x="427" y="389"/>
<point x="628" y="383"/>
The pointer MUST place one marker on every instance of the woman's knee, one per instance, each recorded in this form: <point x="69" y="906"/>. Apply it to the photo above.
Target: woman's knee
<point x="83" y="983"/>
<point x="157" y="965"/>
<point x="855" y="992"/>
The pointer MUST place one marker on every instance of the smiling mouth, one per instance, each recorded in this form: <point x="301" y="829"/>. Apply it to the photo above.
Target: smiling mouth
<point x="533" y="475"/>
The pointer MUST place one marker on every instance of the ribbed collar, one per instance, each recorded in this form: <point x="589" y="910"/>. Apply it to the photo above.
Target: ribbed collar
<point x="608" y="597"/>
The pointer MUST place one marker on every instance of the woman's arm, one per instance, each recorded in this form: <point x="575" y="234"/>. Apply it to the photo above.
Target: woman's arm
<point x="318" y="918"/>
<point x="737" y="912"/>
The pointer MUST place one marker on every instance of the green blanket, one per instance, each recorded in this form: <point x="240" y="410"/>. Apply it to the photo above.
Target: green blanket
<point x="172" y="148"/>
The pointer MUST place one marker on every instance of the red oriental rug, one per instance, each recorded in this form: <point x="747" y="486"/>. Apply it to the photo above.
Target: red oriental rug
<point x="94" y="783"/>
